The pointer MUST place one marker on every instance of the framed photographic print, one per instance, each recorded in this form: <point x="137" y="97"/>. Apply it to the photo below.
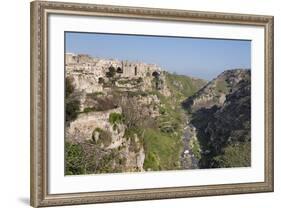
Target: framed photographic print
<point x="144" y="103"/>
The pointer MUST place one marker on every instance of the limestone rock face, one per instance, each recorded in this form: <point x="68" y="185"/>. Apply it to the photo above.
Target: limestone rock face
<point x="82" y="128"/>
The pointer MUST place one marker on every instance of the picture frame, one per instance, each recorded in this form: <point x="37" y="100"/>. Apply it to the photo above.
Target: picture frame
<point x="40" y="89"/>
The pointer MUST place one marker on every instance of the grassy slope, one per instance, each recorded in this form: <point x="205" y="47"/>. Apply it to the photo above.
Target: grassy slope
<point x="183" y="86"/>
<point x="163" y="145"/>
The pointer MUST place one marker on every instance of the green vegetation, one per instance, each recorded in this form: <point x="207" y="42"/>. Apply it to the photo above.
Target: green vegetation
<point x="95" y="94"/>
<point x="72" y="108"/>
<point x="152" y="162"/>
<point x="123" y="82"/>
<point x="85" y="158"/>
<point x="130" y="81"/>
<point x="72" y="104"/>
<point x="88" y="109"/>
<point x="235" y="155"/>
<point x="157" y="83"/>
<point x="183" y="86"/>
<point x="115" y="118"/>
<point x="139" y="80"/>
<point x="131" y="132"/>
<point x="69" y="88"/>
<point x="111" y="72"/>
<point x="163" y="144"/>
<point x="195" y="146"/>
<point x="74" y="159"/>
<point x="101" y="137"/>
<point x="171" y="117"/>
<point x="137" y="93"/>
<point x="221" y="86"/>
<point x="162" y="150"/>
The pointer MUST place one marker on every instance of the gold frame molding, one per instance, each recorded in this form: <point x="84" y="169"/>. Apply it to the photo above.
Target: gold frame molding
<point x="39" y="103"/>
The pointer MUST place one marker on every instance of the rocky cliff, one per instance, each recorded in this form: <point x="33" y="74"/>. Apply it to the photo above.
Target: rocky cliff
<point x="221" y="114"/>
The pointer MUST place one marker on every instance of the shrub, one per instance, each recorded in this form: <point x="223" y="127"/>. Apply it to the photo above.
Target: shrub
<point x="115" y="118"/>
<point x="72" y="108"/>
<point x="87" y="158"/>
<point x="101" y="80"/>
<point x="151" y="162"/>
<point x="139" y="80"/>
<point x="162" y="110"/>
<point x="88" y="109"/>
<point x="69" y="88"/>
<point x="235" y="155"/>
<point x="74" y="159"/>
<point x="157" y="82"/>
<point x="111" y="72"/>
<point x="104" y="137"/>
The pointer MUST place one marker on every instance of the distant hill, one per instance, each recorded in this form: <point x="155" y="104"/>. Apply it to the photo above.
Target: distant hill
<point x="183" y="86"/>
<point x="215" y="92"/>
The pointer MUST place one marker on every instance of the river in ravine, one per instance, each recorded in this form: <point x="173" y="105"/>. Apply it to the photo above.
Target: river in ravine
<point x="187" y="158"/>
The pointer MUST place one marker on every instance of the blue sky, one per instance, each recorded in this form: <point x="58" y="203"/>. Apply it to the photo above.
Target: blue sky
<point x="197" y="57"/>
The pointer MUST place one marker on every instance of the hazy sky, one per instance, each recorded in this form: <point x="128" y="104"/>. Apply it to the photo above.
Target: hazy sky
<point x="197" y="57"/>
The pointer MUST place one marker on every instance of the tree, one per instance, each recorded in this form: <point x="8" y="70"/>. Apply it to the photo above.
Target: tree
<point x="134" y="114"/>
<point x="69" y="88"/>
<point x="111" y="72"/>
<point x="101" y="80"/>
<point x="72" y="108"/>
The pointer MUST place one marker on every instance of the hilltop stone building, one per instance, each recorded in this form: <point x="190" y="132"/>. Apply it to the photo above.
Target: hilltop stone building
<point x="86" y="71"/>
<point x="123" y="68"/>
